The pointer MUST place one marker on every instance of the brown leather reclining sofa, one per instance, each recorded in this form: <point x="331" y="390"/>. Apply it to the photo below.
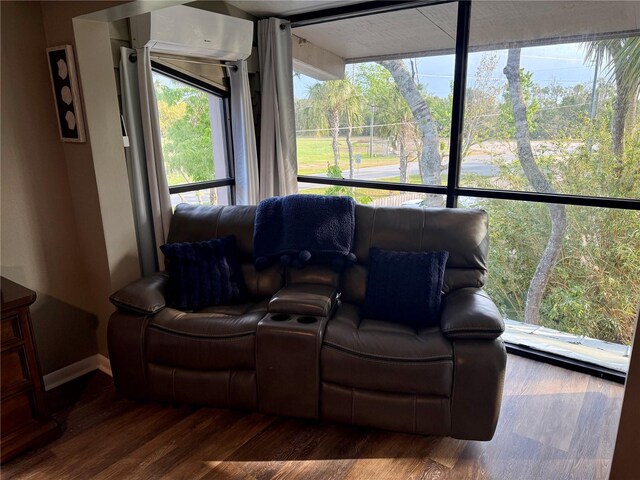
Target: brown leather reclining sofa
<point x="301" y="348"/>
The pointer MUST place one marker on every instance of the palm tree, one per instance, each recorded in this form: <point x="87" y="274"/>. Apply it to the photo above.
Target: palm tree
<point x="623" y="67"/>
<point x="392" y="111"/>
<point x="332" y="101"/>
<point x="352" y="113"/>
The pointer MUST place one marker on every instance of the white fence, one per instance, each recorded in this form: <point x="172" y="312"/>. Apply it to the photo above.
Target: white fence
<point x="397" y="200"/>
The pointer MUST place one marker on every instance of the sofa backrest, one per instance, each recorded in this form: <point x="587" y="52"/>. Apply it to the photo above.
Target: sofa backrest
<point x="196" y="223"/>
<point x="461" y="232"/>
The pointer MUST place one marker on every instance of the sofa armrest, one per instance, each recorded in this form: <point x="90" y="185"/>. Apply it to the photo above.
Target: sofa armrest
<point x="470" y="313"/>
<point x="146" y="295"/>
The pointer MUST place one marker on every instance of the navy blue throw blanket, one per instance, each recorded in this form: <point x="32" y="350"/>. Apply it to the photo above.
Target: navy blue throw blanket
<point x="301" y="229"/>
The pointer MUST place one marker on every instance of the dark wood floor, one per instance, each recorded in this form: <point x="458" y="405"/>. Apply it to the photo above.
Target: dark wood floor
<point x="555" y="424"/>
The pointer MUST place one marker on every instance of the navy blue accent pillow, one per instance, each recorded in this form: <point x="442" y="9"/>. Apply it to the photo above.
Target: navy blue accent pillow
<point x="203" y="274"/>
<point x="405" y="287"/>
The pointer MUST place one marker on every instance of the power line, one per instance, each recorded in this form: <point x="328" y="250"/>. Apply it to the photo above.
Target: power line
<point x="414" y="123"/>
<point x="356" y="126"/>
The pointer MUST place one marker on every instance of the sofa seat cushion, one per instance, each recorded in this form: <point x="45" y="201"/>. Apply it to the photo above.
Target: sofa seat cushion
<point x="376" y="355"/>
<point x="223" y="338"/>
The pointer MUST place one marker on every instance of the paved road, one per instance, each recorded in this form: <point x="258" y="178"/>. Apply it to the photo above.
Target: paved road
<point x="478" y="164"/>
<point x="386" y="171"/>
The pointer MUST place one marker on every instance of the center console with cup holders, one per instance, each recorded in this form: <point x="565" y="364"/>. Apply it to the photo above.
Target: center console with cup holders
<point x="288" y="345"/>
<point x="288" y="364"/>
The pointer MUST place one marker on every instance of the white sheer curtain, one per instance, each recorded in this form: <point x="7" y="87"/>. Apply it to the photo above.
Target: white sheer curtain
<point x="245" y="152"/>
<point x="158" y="187"/>
<point x="278" y="164"/>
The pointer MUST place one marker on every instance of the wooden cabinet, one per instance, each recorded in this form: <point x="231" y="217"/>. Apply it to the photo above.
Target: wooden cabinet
<point x="25" y="422"/>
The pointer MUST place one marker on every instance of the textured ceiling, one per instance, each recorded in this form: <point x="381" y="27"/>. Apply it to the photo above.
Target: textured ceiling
<point x="414" y="30"/>
<point x="431" y="30"/>
<point x="285" y="8"/>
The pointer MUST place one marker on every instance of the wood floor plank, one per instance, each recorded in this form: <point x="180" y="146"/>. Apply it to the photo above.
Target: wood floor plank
<point x="266" y="454"/>
<point x="333" y="455"/>
<point x="152" y="458"/>
<point x="447" y="451"/>
<point x="394" y="455"/>
<point x="84" y="457"/>
<point x="217" y="448"/>
<point x="554" y="423"/>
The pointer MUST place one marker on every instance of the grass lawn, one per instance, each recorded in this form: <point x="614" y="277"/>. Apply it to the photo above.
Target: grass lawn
<point x="372" y="193"/>
<point x="368" y="192"/>
<point x="314" y="153"/>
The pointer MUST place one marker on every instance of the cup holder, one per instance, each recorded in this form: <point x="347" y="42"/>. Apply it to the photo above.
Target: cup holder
<point x="280" y="317"/>
<point x="307" y="320"/>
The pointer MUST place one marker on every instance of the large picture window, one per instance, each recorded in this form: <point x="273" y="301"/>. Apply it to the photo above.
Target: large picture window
<point x="194" y="126"/>
<point x="528" y="110"/>
<point x="389" y="119"/>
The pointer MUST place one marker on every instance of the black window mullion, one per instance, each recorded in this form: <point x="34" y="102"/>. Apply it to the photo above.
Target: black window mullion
<point x="355" y="10"/>
<point x="557" y="198"/>
<point x="191" y="81"/>
<point x="231" y="155"/>
<point x="400" y="187"/>
<point x="459" y="90"/>
<point x="191" y="187"/>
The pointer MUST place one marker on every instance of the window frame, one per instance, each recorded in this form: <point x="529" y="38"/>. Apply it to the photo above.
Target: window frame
<point x="228" y="181"/>
<point x="452" y="190"/>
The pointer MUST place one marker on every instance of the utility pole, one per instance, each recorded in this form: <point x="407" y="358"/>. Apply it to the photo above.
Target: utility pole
<point x="594" y="92"/>
<point x="373" y="114"/>
<point x="594" y="101"/>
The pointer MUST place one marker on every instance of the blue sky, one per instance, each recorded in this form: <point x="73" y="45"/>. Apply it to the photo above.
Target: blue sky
<point x="563" y="64"/>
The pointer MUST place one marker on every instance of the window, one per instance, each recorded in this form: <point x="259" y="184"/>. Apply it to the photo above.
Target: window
<point x="548" y="143"/>
<point x="548" y="111"/>
<point x="361" y="127"/>
<point x="373" y="196"/>
<point x="195" y="128"/>
<point x="587" y="307"/>
<point x="581" y="132"/>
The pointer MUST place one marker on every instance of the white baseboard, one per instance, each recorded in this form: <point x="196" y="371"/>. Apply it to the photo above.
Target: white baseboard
<point x="75" y="370"/>
<point x="104" y="365"/>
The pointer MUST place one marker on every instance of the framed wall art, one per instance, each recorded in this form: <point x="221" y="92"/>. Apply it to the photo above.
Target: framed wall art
<point x="65" y="93"/>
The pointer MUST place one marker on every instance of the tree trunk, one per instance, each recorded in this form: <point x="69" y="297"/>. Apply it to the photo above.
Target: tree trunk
<point x="430" y="160"/>
<point x="213" y="196"/>
<point x="403" y="157"/>
<point x="620" y="110"/>
<point x="350" y="149"/>
<point x="633" y="109"/>
<point x="334" y="127"/>
<point x="540" y="184"/>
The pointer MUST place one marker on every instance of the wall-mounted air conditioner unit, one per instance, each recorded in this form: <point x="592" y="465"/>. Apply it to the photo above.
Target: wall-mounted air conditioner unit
<point x="189" y="31"/>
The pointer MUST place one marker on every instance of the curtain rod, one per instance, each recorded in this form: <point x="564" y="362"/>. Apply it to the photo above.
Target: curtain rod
<point x="134" y="57"/>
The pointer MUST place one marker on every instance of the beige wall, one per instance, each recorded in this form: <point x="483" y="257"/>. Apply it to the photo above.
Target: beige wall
<point x="97" y="171"/>
<point x="54" y="238"/>
<point x="67" y="225"/>
<point x="40" y="242"/>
